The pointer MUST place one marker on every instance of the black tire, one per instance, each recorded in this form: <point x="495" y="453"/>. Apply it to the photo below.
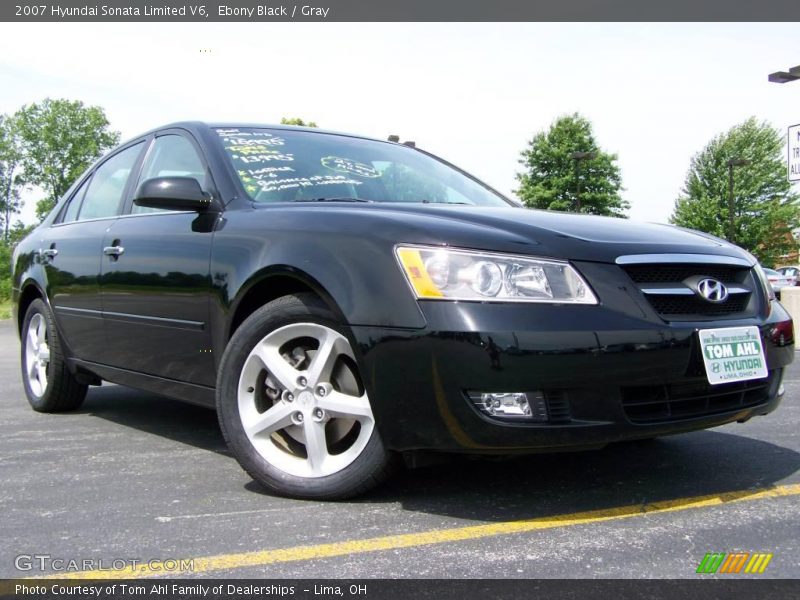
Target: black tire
<point x="372" y="466"/>
<point x="62" y="391"/>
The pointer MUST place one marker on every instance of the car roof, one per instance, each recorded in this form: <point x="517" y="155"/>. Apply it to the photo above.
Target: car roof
<point x="195" y="125"/>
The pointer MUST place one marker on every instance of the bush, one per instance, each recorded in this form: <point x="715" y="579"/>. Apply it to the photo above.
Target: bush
<point x="5" y="271"/>
<point x="5" y="290"/>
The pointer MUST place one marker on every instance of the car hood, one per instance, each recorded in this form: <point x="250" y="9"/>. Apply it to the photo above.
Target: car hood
<point x="524" y="231"/>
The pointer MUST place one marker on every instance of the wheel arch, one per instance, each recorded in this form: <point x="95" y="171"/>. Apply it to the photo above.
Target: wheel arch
<point x="271" y="283"/>
<point x="29" y="291"/>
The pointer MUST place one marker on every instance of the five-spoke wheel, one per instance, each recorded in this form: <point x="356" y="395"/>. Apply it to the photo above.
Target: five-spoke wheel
<point x="37" y="354"/>
<point x="293" y="406"/>
<point x="301" y="403"/>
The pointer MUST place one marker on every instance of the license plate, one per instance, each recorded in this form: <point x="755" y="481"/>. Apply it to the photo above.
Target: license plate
<point x="732" y="354"/>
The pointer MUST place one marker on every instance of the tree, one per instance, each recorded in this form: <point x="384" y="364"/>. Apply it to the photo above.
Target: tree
<point x="11" y="181"/>
<point x="60" y="139"/>
<point x="765" y="207"/>
<point x="406" y="185"/>
<point x="297" y="121"/>
<point x="555" y="180"/>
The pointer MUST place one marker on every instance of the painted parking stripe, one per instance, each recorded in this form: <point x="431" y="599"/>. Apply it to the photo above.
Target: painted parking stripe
<point x="223" y="562"/>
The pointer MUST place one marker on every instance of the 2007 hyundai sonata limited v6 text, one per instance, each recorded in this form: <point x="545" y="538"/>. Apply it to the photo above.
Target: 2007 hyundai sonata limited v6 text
<point x="345" y="301"/>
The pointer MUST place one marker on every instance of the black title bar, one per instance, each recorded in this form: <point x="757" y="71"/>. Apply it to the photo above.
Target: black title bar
<point x="397" y="10"/>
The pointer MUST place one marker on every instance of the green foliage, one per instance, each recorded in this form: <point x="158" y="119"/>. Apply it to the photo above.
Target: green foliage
<point x="5" y="270"/>
<point x="552" y="176"/>
<point x="765" y="207"/>
<point x="406" y="185"/>
<point x="18" y="231"/>
<point x="297" y="121"/>
<point x="11" y="182"/>
<point x="15" y="234"/>
<point x="60" y="139"/>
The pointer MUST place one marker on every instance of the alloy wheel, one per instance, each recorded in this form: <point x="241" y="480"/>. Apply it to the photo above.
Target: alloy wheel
<point x="302" y="403"/>
<point x="37" y="354"/>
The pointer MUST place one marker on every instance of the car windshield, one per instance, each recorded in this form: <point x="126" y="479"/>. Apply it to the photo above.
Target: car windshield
<point x="277" y="165"/>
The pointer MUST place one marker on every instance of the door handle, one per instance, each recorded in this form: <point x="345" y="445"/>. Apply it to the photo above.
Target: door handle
<point x="48" y="253"/>
<point x="113" y="251"/>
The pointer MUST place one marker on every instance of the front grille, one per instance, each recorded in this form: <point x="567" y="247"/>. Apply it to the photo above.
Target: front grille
<point x="671" y="305"/>
<point x="695" y="398"/>
<point x="667" y="273"/>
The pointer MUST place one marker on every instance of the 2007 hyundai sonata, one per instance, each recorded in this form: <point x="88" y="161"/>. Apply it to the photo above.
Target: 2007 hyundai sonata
<point x="343" y="301"/>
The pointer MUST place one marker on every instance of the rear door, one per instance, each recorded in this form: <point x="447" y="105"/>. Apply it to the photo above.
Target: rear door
<point x="155" y="277"/>
<point x="71" y="251"/>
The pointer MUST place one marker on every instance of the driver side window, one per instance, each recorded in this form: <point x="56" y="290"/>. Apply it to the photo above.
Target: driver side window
<point x="171" y="156"/>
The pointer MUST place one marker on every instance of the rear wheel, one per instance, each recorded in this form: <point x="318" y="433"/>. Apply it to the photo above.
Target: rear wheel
<point x="49" y="385"/>
<point x="292" y="405"/>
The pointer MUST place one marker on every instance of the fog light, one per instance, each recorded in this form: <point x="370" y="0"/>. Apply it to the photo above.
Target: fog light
<point x="516" y="406"/>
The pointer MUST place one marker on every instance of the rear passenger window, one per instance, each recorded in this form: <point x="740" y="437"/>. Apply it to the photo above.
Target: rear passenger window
<point x="171" y="156"/>
<point x="104" y="195"/>
<point x="75" y="203"/>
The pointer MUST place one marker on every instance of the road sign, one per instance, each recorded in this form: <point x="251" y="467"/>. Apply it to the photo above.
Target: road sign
<point x="794" y="153"/>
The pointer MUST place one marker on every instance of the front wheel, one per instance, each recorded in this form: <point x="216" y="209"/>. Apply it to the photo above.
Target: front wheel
<point x="292" y="405"/>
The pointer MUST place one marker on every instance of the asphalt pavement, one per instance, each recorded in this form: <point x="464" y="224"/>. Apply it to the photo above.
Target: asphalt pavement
<point x="133" y="477"/>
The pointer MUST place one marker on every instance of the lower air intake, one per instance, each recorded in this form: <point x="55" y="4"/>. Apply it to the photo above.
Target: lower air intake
<point x="674" y="402"/>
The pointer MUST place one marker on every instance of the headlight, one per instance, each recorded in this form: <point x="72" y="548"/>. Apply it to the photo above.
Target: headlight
<point x="446" y="274"/>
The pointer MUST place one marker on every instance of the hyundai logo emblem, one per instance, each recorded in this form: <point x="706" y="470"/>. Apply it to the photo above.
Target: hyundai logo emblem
<point x="712" y="290"/>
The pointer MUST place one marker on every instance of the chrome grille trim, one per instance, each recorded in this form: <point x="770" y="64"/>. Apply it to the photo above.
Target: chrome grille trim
<point x="714" y="259"/>
<point x="687" y="291"/>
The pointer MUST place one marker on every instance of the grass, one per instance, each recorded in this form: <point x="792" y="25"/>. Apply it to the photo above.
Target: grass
<point x="5" y="309"/>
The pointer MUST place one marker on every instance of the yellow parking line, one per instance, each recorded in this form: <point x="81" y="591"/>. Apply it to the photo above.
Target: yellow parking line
<point x="238" y="560"/>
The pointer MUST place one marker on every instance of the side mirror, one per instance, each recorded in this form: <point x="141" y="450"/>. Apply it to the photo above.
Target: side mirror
<point x="173" y="193"/>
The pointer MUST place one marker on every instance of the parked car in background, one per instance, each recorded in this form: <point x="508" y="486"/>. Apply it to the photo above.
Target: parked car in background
<point x="791" y="272"/>
<point x="778" y="281"/>
<point x="342" y="301"/>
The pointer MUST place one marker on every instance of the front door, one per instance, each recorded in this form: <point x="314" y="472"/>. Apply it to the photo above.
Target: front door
<point x="155" y="278"/>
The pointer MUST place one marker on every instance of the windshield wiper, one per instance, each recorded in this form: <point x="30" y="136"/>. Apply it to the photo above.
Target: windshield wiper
<point x="451" y="203"/>
<point x="343" y="199"/>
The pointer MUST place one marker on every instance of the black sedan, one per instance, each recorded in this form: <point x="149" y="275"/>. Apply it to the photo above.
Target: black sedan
<point x="344" y="302"/>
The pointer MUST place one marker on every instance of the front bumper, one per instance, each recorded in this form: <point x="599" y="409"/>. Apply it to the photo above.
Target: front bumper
<point x="599" y="362"/>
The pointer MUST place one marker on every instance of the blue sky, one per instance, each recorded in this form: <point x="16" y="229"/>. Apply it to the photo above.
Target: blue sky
<point x="472" y="93"/>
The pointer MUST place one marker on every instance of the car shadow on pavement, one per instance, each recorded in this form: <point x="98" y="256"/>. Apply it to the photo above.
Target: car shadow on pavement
<point x="185" y="423"/>
<point x="634" y="473"/>
<point x="703" y="463"/>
